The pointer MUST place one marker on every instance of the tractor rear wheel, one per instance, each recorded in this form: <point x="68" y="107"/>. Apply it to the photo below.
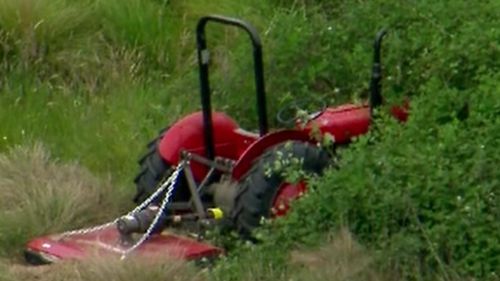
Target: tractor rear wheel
<point x="153" y="169"/>
<point x="265" y="182"/>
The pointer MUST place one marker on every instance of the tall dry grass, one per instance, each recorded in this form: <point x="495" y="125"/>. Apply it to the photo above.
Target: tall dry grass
<point x="110" y="269"/>
<point x="339" y="258"/>
<point x="342" y="258"/>
<point x="39" y="195"/>
<point x="5" y="275"/>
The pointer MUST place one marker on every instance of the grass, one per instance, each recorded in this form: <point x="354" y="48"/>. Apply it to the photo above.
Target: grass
<point x="41" y="196"/>
<point x="340" y="258"/>
<point x="143" y="26"/>
<point x="4" y="272"/>
<point x="57" y="39"/>
<point x="100" y="269"/>
<point x="113" y="126"/>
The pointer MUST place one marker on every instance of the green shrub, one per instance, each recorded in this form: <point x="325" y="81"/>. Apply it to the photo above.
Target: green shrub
<point x="452" y="40"/>
<point x="425" y="194"/>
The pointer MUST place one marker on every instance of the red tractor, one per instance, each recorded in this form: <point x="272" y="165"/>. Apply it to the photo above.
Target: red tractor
<point x="205" y="168"/>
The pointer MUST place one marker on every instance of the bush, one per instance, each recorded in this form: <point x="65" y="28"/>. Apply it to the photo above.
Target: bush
<point x="425" y="194"/>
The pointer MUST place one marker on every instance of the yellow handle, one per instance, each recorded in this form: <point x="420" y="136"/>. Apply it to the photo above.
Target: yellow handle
<point x="217" y="213"/>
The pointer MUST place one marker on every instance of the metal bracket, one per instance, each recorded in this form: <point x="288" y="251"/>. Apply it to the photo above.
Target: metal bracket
<point x="205" y="56"/>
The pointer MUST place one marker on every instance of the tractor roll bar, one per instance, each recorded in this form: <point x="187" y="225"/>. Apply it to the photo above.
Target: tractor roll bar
<point x="376" y="98"/>
<point x="203" y="62"/>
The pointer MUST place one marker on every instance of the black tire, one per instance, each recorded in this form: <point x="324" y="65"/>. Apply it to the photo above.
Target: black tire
<point x="259" y="187"/>
<point x="153" y="169"/>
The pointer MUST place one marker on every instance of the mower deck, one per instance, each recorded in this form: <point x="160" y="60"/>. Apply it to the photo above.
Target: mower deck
<point x="53" y="248"/>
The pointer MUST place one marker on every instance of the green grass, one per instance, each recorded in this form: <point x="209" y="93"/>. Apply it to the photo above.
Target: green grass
<point x="57" y="40"/>
<point x="146" y="27"/>
<point x="105" y="133"/>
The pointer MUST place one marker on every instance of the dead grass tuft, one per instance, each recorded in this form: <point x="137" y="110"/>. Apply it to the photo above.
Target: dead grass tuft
<point x="341" y="259"/>
<point x="110" y="269"/>
<point x="4" y="272"/>
<point x="40" y="195"/>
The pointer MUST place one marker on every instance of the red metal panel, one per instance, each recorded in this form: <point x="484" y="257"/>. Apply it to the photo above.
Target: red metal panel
<point x="258" y="147"/>
<point x="287" y="192"/>
<point x="187" y="134"/>
<point x="106" y="242"/>
<point x="342" y="122"/>
<point x="401" y="112"/>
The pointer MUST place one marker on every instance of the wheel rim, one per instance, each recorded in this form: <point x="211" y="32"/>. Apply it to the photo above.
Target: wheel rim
<point x="287" y="192"/>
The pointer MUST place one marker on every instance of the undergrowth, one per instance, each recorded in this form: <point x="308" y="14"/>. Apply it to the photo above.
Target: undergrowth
<point x="423" y="198"/>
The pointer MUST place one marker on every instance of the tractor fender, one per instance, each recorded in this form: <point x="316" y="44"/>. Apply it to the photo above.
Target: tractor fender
<point x="257" y="148"/>
<point x="187" y="134"/>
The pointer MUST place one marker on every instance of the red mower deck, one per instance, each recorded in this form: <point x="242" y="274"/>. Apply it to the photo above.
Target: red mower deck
<point x="53" y="248"/>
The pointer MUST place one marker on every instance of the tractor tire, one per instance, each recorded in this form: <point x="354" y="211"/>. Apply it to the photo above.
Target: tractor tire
<point x="259" y="187"/>
<point x="153" y="169"/>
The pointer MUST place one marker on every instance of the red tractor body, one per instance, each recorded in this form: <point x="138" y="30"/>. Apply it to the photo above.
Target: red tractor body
<point x="342" y="122"/>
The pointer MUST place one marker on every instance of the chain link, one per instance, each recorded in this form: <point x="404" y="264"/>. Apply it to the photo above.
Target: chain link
<point x="163" y="205"/>
<point x="168" y="184"/>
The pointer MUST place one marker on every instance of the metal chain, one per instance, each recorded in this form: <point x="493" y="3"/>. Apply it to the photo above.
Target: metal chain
<point x="163" y="205"/>
<point x="170" y="181"/>
<point x="168" y="184"/>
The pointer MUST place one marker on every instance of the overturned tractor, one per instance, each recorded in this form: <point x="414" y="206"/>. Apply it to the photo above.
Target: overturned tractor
<point x="205" y="170"/>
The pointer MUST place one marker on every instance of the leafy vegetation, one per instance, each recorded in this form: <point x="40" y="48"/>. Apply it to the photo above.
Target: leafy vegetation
<point x="93" y="80"/>
<point x="435" y="221"/>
